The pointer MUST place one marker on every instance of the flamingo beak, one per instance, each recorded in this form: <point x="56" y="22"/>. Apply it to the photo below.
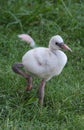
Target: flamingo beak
<point x="64" y="46"/>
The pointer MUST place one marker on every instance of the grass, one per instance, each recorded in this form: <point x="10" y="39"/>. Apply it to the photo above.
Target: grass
<point x="64" y="95"/>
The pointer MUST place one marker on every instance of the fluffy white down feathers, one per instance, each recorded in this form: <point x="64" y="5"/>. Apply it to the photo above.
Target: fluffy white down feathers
<point x="27" y="39"/>
<point x="45" y="62"/>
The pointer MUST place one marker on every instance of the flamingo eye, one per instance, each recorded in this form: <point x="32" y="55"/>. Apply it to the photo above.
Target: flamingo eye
<point x="56" y="43"/>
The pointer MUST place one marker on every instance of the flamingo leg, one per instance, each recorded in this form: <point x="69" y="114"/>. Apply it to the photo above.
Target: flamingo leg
<point x="41" y="92"/>
<point x="17" y="69"/>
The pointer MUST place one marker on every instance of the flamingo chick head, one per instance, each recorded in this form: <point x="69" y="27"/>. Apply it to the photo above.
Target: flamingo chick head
<point x="56" y="43"/>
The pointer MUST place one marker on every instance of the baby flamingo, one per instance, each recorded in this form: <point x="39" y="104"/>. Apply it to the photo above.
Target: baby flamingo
<point x="42" y="62"/>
